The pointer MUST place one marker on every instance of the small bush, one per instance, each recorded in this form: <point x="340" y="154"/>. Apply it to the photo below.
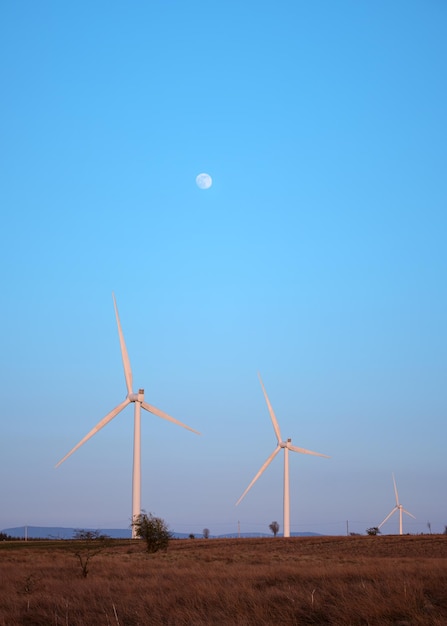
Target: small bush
<point x="89" y="543"/>
<point x="153" y="530"/>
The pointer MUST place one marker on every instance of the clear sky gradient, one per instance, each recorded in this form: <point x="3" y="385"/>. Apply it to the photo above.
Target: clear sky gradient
<point x="318" y="258"/>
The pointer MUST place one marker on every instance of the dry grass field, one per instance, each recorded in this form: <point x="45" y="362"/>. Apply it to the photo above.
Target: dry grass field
<point x="374" y="581"/>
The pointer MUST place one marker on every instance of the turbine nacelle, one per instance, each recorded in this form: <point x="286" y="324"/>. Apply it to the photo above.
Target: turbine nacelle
<point x="136" y="397"/>
<point x="284" y="444"/>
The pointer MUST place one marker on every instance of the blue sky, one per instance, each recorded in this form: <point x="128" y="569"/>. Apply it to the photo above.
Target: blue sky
<point x="317" y="258"/>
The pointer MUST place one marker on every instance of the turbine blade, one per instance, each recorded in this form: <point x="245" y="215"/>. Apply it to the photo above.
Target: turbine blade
<point x="388" y="516"/>
<point x="125" y="356"/>
<point x="303" y="451"/>
<point x="272" y="414"/>
<point x="395" y="491"/>
<point x="165" y="416"/>
<point x="408" y="513"/>
<point x="266" y="464"/>
<point x="98" y="427"/>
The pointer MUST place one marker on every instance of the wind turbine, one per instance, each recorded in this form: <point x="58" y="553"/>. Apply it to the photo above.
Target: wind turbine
<point x="138" y="400"/>
<point x="399" y="508"/>
<point x="286" y="446"/>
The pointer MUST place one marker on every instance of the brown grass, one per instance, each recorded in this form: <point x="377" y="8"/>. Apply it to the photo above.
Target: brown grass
<point x="373" y="581"/>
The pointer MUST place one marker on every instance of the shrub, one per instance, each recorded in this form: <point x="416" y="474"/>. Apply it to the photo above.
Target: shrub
<point x="91" y="543"/>
<point x="153" y="530"/>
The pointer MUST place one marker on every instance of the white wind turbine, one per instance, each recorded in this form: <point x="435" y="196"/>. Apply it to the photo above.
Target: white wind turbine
<point x="138" y="400"/>
<point x="286" y="446"/>
<point x="399" y="508"/>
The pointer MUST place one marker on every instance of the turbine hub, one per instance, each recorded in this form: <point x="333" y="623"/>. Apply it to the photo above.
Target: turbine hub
<point x="137" y="397"/>
<point x="285" y="444"/>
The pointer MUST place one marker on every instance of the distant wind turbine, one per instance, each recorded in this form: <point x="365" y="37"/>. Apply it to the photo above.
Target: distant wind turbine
<point x="138" y="400"/>
<point x="286" y="446"/>
<point x="399" y="508"/>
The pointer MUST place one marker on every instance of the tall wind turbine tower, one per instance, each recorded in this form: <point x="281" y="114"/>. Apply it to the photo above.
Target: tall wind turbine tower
<point x="138" y="400"/>
<point x="286" y="446"/>
<point x="399" y="508"/>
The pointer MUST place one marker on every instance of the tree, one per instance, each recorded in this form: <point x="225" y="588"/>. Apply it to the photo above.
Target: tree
<point x="206" y="533"/>
<point x="274" y="527"/>
<point x="91" y="543"/>
<point x="6" y="537"/>
<point x="88" y="535"/>
<point x="153" y="530"/>
<point x="374" y="530"/>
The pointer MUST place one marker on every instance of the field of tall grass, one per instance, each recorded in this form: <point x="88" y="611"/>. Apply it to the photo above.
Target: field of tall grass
<point x="374" y="581"/>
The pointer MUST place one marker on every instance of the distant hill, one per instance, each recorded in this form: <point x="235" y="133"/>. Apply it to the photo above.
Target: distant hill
<point x="236" y="535"/>
<point x="57" y="532"/>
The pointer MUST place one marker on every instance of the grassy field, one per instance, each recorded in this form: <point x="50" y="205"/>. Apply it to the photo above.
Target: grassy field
<point x="310" y="580"/>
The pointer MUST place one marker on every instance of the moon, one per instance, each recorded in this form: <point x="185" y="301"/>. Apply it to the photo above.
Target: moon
<point x="204" y="181"/>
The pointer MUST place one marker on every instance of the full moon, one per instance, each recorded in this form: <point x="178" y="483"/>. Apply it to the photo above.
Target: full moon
<point x="204" y="181"/>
